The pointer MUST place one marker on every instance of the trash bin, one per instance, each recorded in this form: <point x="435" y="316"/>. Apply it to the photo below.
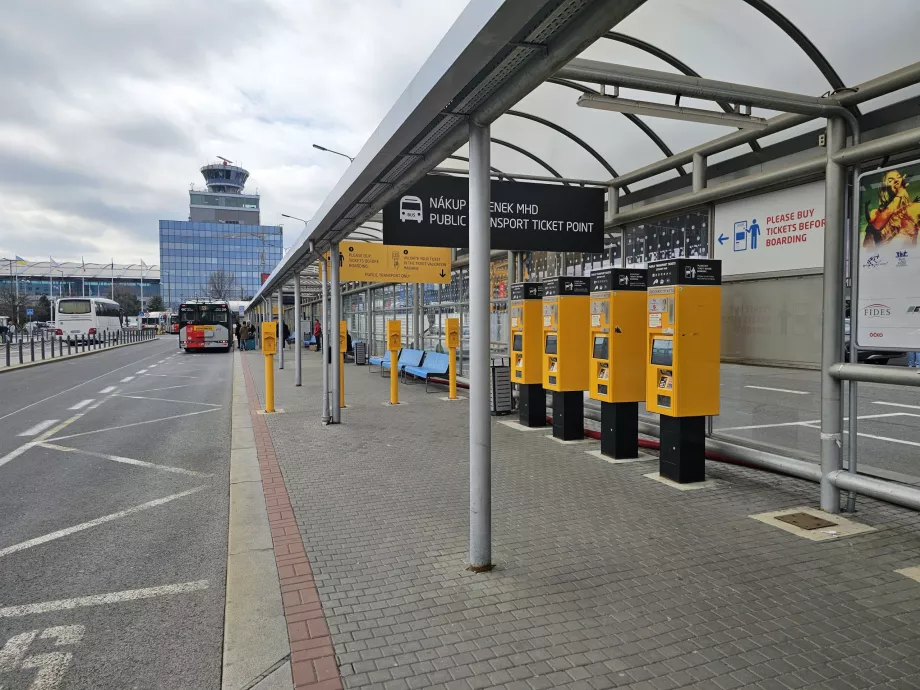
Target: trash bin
<point x="500" y="397"/>
<point x="360" y="352"/>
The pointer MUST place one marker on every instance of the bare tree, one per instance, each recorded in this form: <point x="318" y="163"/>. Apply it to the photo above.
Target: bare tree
<point x="13" y="304"/>
<point x="220" y="285"/>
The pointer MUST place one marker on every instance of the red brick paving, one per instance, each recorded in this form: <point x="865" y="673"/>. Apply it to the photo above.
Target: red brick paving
<point x="313" y="663"/>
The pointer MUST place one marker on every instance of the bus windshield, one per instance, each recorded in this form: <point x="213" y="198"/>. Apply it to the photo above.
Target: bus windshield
<point x="204" y="314"/>
<point x="74" y="306"/>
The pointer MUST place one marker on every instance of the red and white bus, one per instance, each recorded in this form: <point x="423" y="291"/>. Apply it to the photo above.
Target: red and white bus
<point x="205" y="324"/>
<point x="172" y="325"/>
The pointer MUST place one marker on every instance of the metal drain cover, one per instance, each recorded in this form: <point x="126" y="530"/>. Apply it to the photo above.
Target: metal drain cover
<point x="805" y="521"/>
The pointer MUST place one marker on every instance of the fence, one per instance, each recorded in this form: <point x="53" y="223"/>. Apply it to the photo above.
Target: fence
<point x="21" y="348"/>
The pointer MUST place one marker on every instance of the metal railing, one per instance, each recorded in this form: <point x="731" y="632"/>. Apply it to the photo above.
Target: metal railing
<point x="22" y="348"/>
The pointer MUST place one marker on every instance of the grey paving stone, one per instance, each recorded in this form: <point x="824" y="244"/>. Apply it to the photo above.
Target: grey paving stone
<point x="603" y="579"/>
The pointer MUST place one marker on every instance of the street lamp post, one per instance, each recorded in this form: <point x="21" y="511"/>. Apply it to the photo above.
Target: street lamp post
<point x="337" y="153"/>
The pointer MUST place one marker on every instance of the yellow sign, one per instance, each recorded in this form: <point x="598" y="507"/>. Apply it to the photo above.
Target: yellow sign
<point x="343" y="336"/>
<point x="453" y="332"/>
<point x="394" y="335"/>
<point x="269" y="338"/>
<point x="373" y="262"/>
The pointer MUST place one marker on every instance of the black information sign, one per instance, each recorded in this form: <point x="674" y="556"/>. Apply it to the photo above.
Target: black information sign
<point x="526" y="291"/>
<point x="685" y="272"/>
<point x="524" y="216"/>
<point x="566" y="286"/>
<point x="619" y="279"/>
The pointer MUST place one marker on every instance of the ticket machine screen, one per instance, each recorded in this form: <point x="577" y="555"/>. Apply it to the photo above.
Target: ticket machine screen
<point x="518" y="344"/>
<point x="551" y="345"/>
<point x="600" y="348"/>
<point x="663" y="352"/>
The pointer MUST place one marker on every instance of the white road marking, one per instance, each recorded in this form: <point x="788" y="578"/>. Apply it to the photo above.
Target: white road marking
<point x="67" y="390"/>
<point x="779" y="390"/>
<point x="175" y="376"/>
<point x="125" y="426"/>
<point x="38" y="428"/>
<point x="126" y="379"/>
<point x="23" y="448"/>
<point x="900" y="441"/>
<point x="67" y="531"/>
<point x="51" y="665"/>
<point x="83" y="403"/>
<point x="142" y="371"/>
<point x="891" y="404"/>
<point x="106" y="390"/>
<point x="102" y="599"/>
<point x="165" y="388"/>
<point x="125" y="461"/>
<point x="185" y="402"/>
<point x="809" y="422"/>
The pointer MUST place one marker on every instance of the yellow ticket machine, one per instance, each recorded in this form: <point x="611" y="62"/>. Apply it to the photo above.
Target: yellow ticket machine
<point x="269" y="348"/>
<point x="618" y="342"/>
<point x="527" y="352"/>
<point x="682" y="370"/>
<point x="566" y="333"/>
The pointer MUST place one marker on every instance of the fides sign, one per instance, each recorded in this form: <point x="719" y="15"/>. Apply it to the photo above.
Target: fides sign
<point x="888" y="295"/>
<point x="777" y="231"/>
<point x="523" y="216"/>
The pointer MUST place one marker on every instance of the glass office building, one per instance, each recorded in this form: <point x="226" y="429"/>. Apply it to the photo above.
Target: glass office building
<point x="221" y="250"/>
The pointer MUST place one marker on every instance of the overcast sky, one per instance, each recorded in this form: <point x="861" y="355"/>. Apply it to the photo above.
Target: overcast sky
<point x="108" y="109"/>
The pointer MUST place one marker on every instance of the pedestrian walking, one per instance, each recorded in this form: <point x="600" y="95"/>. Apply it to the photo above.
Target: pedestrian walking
<point x="236" y="332"/>
<point x="286" y="332"/>
<point x="244" y="335"/>
<point x="913" y="359"/>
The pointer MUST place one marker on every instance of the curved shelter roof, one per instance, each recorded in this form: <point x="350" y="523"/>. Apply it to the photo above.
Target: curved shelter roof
<point x="505" y="64"/>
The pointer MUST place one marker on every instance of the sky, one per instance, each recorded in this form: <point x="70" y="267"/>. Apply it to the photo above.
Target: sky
<point x="109" y="109"/>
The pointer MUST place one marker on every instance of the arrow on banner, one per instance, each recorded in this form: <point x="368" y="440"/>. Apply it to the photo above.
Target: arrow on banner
<point x="443" y="274"/>
<point x="722" y="238"/>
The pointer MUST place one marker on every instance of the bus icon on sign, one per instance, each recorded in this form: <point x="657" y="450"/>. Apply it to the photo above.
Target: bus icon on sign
<point x="410" y="208"/>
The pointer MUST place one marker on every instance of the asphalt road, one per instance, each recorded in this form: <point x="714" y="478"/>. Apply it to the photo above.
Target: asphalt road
<point x="113" y="520"/>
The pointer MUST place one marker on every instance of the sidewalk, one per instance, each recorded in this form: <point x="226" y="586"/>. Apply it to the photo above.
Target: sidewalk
<point x="604" y="577"/>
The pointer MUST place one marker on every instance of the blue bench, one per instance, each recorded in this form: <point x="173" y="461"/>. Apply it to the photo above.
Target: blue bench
<point x="407" y="358"/>
<point x="311" y="341"/>
<point x="379" y="361"/>
<point x="435" y="364"/>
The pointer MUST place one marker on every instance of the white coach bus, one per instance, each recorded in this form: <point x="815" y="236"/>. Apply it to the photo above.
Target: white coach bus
<point x="92" y="317"/>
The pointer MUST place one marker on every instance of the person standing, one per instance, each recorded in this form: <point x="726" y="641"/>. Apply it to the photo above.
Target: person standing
<point x="236" y="332"/>
<point x="286" y="332"/>
<point x="243" y="335"/>
<point x="913" y="359"/>
<point x="318" y="335"/>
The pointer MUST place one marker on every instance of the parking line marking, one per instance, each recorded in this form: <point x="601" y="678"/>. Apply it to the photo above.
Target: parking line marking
<point x="165" y="388"/>
<point x="142" y="371"/>
<point x="185" y="402"/>
<point x="779" y="390"/>
<point x="12" y="455"/>
<point x="67" y="531"/>
<point x="102" y="599"/>
<point x="891" y="404"/>
<point x="809" y="422"/>
<point x="107" y="389"/>
<point x="38" y="428"/>
<point x="123" y="460"/>
<point x="83" y="403"/>
<point x="900" y="441"/>
<point x="125" y="426"/>
<point x="126" y="379"/>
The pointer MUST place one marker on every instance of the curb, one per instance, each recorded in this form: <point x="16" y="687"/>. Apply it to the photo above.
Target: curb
<point x="313" y="662"/>
<point x="64" y="358"/>
<point x="256" y="652"/>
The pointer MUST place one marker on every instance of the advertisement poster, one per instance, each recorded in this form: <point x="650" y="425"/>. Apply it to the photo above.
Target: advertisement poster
<point x="888" y="296"/>
<point x="776" y="231"/>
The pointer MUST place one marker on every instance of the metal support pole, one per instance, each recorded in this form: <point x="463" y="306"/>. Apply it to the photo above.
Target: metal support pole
<point x="417" y="316"/>
<point x="831" y="336"/>
<point x="298" y="331"/>
<point x="335" y="289"/>
<point x="480" y="417"/>
<point x="280" y="328"/>
<point x="324" y="338"/>
<point x="699" y="172"/>
<point x="852" y="386"/>
<point x="512" y="279"/>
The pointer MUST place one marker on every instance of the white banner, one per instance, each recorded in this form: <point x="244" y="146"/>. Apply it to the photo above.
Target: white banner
<point x="888" y="295"/>
<point x="777" y="231"/>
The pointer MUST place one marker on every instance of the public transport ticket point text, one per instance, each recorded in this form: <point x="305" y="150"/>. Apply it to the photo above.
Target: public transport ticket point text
<point x="527" y="352"/>
<point x="566" y="320"/>
<point x="682" y="379"/>
<point x="618" y="342"/>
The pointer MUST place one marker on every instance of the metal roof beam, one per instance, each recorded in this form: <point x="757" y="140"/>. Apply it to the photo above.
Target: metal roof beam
<point x="535" y="178"/>
<point x="531" y="156"/>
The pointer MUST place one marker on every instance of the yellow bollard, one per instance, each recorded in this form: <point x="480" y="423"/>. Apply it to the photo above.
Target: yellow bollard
<point x="453" y="342"/>
<point x="342" y="381"/>
<point x="453" y="373"/>
<point x="269" y="346"/>
<point x="394" y="339"/>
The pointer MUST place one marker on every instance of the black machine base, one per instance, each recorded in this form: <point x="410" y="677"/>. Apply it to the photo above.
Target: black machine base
<point x="531" y="404"/>
<point x="568" y="415"/>
<point x="620" y="430"/>
<point x="683" y="449"/>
